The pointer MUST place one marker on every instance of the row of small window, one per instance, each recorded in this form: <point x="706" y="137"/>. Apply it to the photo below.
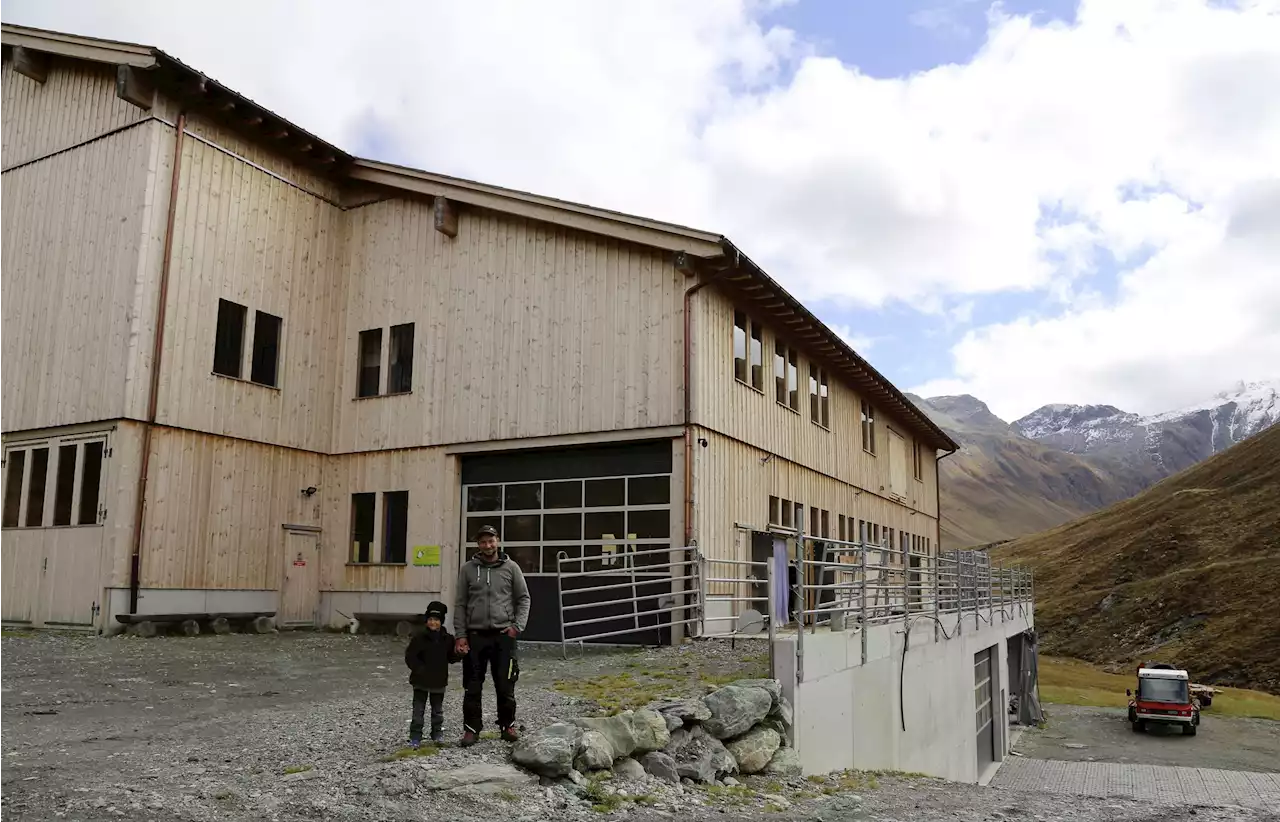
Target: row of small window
<point x="559" y="494"/>
<point x="643" y="523"/>
<point x="75" y="468"/>
<point x="264" y="360"/>
<point x="748" y="369"/>
<point x="789" y="514"/>
<point x="619" y="557"/>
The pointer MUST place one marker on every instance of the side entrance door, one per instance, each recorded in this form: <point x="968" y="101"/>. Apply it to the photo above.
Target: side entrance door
<point x="984" y="713"/>
<point x="300" y="591"/>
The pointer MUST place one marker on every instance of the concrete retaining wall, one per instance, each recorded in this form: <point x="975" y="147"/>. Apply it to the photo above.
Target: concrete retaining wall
<point x="851" y="715"/>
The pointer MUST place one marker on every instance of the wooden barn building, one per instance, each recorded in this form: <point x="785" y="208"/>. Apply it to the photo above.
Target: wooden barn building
<point x="244" y="371"/>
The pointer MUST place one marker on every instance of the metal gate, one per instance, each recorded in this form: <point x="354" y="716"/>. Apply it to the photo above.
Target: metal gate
<point x="983" y="687"/>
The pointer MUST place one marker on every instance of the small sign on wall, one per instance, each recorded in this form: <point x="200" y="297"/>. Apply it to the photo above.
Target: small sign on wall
<point x="426" y="555"/>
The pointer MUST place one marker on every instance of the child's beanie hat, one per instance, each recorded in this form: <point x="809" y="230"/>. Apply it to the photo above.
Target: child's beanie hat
<point x="436" y="609"/>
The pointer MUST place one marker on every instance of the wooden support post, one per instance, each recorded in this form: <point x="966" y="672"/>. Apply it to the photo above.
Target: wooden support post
<point x="446" y="217"/>
<point x="32" y="64"/>
<point x="134" y="86"/>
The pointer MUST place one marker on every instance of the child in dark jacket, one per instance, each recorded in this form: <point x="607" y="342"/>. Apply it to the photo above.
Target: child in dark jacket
<point x="428" y="656"/>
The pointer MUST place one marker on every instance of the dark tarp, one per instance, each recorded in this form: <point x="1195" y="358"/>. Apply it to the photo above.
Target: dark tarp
<point x="1027" y="685"/>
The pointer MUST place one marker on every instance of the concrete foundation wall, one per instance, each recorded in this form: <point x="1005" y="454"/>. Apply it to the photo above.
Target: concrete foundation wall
<point x="852" y="715"/>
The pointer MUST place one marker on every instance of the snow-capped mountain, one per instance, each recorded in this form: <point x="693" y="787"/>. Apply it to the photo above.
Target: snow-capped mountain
<point x="1167" y="442"/>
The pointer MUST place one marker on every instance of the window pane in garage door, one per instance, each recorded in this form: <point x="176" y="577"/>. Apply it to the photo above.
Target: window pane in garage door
<point x="484" y="498"/>
<point x="526" y="496"/>
<point x="649" y="491"/>
<point x="526" y="556"/>
<point x="605" y="493"/>
<point x="474" y="523"/>
<point x="571" y="552"/>
<point x="522" y="528"/>
<point x="649" y="524"/>
<point x="562" y="526"/>
<point x="563" y="494"/>
<point x="598" y="523"/>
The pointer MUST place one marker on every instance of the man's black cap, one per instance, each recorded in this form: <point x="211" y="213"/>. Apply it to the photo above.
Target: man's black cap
<point x="486" y="530"/>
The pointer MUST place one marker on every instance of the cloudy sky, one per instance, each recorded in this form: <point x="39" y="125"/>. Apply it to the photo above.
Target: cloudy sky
<point x="1034" y="201"/>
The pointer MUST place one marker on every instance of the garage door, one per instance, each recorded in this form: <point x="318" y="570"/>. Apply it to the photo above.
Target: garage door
<point x="593" y="505"/>
<point x="984" y="715"/>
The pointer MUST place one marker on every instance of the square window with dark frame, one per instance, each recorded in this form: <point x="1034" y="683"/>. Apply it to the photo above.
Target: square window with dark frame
<point x="395" y="527"/>
<point x="369" y="363"/>
<point x="362" y="527"/>
<point x="400" y="378"/>
<point x="266" y="349"/>
<point x="16" y="464"/>
<point x="228" y="344"/>
<point x="868" y="428"/>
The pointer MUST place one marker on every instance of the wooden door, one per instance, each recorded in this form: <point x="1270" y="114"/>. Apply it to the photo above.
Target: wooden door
<point x="300" y="592"/>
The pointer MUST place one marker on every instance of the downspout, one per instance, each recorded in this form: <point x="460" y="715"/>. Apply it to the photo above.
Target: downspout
<point x="937" y="493"/>
<point x="153" y="394"/>
<point x="688" y="405"/>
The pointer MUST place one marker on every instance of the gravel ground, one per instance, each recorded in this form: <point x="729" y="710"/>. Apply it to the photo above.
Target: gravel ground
<point x="305" y="726"/>
<point x="1103" y="735"/>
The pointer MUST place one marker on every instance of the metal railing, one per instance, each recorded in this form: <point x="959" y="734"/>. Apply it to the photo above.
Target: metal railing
<point x="650" y="588"/>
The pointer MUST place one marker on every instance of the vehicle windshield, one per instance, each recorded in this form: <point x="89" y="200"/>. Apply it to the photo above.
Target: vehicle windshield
<point x="1162" y="690"/>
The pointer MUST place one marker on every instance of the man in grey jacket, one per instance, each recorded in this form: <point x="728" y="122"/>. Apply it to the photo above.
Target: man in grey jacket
<point x="492" y="609"/>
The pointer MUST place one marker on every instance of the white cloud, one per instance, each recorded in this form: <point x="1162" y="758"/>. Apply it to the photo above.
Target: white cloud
<point x="1150" y="128"/>
<point x="861" y="343"/>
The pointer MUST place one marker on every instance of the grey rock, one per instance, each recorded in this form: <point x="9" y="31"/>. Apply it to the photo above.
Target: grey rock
<point x="661" y="766"/>
<point x="594" y="752"/>
<point x="783" y="712"/>
<point x="754" y="749"/>
<point x="772" y="686"/>
<point x="730" y="782"/>
<point x="700" y="756"/>
<point x="576" y="777"/>
<point x="735" y="710"/>
<point x="674" y="723"/>
<point x="776" y="800"/>
<point x="300" y="776"/>
<point x="629" y="769"/>
<point x="480" y="778"/>
<point x="650" y="731"/>
<point x="617" y="729"/>
<point x="549" y="751"/>
<point x="686" y="710"/>
<point x="785" y="763"/>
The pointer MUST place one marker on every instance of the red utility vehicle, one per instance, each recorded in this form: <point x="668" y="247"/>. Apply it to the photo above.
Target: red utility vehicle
<point x="1164" y="696"/>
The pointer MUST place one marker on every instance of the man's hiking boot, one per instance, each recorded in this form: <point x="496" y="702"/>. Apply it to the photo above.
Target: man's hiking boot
<point x="437" y="737"/>
<point x="468" y="739"/>
<point x="510" y="734"/>
<point x="415" y="742"/>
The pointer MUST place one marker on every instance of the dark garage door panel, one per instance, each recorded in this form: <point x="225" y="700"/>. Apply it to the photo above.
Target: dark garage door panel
<point x="544" y="615"/>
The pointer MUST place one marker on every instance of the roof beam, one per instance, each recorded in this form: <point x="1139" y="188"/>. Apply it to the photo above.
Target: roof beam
<point x="134" y="86"/>
<point x="79" y="48"/>
<point x="31" y="64"/>
<point x="446" y="217"/>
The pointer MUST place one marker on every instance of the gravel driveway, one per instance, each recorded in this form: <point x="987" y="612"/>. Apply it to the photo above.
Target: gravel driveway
<point x="1103" y="735"/>
<point x="302" y="726"/>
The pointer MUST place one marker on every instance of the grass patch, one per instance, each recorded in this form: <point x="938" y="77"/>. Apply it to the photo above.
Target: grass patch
<point x="296" y="769"/>
<point x="730" y="794"/>
<point x="490" y="735"/>
<point x="1072" y="682"/>
<point x="839" y="782"/>
<point x="7" y="634"/>
<point x="602" y="801"/>
<point x="508" y="795"/>
<point x="410" y="753"/>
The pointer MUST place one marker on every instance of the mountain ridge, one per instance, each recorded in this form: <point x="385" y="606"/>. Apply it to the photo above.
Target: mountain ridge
<point x="1064" y="461"/>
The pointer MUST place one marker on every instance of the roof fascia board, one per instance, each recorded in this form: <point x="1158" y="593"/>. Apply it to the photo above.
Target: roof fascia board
<point x="544" y="209"/>
<point x="80" y="48"/>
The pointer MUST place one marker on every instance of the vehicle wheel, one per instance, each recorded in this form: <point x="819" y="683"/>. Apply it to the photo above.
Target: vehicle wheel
<point x="1188" y="730"/>
<point x="1206" y="700"/>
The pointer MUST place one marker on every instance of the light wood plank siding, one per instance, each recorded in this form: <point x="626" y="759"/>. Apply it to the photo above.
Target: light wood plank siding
<point x="432" y="481"/>
<point x="260" y="155"/>
<point x="216" y="507"/>
<point x="76" y="103"/>
<point x="73" y="227"/>
<point x="243" y="235"/>
<point x="725" y="405"/>
<point x="521" y="330"/>
<point x="733" y="482"/>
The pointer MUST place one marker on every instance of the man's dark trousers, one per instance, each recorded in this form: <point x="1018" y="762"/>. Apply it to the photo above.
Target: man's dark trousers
<point x="491" y="652"/>
<point x="420" y="698"/>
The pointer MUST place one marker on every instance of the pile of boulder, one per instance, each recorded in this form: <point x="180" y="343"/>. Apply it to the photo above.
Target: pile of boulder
<point x="741" y="728"/>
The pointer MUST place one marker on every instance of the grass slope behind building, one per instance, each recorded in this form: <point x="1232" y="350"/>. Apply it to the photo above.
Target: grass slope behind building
<point x="1186" y="572"/>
